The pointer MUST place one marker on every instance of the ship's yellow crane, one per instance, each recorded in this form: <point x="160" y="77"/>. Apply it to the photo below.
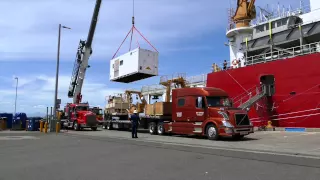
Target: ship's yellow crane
<point x="245" y="12"/>
<point x="179" y="81"/>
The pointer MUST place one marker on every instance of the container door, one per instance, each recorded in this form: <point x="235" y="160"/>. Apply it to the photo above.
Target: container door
<point x="116" y="68"/>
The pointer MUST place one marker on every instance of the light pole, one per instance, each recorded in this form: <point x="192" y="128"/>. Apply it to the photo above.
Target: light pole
<point x="15" y="102"/>
<point x="57" y="77"/>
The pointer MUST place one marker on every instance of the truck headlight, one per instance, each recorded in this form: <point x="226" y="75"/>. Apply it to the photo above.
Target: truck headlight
<point x="227" y="124"/>
<point x="251" y="124"/>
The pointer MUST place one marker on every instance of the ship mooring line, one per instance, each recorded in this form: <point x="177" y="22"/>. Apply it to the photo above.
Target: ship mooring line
<point x="236" y="81"/>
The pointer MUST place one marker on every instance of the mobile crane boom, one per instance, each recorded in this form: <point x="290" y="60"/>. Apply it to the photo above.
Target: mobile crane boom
<point x="82" y="57"/>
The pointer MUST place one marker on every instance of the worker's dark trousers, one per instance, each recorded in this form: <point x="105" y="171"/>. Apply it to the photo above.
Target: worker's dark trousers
<point x="134" y="130"/>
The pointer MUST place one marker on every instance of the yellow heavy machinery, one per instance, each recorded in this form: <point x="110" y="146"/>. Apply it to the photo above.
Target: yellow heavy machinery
<point x="138" y="106"/>
<point x="245" y="12"/>
<point x="179" y="82"/>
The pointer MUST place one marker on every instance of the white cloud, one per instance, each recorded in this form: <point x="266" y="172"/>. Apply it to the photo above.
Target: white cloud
<point x="32" y="33"/>
<point x="38" y="93"/>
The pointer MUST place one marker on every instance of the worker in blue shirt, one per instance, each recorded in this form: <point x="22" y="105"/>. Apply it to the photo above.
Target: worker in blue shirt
<point x="134" y="118"/>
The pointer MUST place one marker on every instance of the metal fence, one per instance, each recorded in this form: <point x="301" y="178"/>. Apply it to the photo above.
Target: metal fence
<point x="192" y="80"/>
<point x="284" y="53"/>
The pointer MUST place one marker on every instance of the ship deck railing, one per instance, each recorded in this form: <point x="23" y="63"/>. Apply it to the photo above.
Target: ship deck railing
<point x="192" y="81"/>
<point x="262" y="18"/>
<point x="283" y="54"/>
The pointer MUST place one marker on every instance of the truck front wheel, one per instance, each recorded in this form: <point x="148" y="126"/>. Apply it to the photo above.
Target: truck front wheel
<point x="76" y="126"/>
<point x="212" y="132"/>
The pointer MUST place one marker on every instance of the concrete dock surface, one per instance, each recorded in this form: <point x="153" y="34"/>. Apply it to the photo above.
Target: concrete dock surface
<point x="112" y="155"/>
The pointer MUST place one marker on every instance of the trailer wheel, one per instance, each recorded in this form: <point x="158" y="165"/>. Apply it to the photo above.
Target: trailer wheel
<point x="160" y="129"/>
<point x="93" y="128"/>
<point x="212" y="132"/>
<point x="109" y="126"/>
<point x="76" y="126"/>
<point x="152" y="128"/>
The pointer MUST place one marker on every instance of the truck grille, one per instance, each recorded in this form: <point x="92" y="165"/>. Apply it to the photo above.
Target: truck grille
<point x="91" y="120"/>
<point x="242" y="120"/>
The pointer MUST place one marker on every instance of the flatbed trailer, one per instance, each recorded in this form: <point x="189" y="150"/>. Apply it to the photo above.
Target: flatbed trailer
<point x="193" y="111"/>
<point x="122" y="122"/>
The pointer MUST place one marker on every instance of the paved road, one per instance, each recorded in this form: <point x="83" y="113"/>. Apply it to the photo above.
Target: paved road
<point x="295" y="143"/>
<point x="39" y="156"/>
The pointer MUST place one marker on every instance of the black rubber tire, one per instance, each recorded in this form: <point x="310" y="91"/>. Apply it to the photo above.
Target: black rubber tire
<point x="160" y="129"/>
<point x="94" y="128"/>
<point x="210" y="135"/>
<point x="152" y="128"/>
<point x="109" y="126"/>
<point x="76" y="126"/>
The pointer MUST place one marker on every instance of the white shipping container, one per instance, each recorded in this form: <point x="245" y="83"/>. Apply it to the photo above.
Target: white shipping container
<point x="133" y="66"/>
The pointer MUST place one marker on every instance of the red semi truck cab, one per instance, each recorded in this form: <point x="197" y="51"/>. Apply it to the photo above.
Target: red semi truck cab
<point x="79" y="117"/>
<point x="208" y="112"/>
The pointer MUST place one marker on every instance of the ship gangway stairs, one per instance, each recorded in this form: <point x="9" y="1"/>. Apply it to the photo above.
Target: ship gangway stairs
<point x="252" y="96"/>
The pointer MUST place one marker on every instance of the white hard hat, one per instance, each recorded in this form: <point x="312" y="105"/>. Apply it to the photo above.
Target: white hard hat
<point x="135" y="111"/>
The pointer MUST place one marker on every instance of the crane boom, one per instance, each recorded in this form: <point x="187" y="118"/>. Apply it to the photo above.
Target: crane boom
<point x="82" y="58"/>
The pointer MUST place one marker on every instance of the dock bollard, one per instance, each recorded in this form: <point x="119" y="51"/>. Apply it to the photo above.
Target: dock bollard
<point x="270" y="127"/>
<point x="45" y="127"/>
<point x="2" y="125"/>
<point x="27" y="124"/>
<point x="41" y="126"/>
<point x="57" y="127"/>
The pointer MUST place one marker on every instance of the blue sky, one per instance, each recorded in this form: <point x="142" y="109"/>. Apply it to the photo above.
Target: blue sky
<point x="189" y="35"/>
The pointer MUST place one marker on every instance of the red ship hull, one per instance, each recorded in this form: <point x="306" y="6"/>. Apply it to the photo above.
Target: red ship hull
<point x="296" y="102"/>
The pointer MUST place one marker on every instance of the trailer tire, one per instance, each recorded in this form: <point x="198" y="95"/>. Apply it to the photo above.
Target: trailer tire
<point x="212" y="132"/>
<point x="93" y="128"/>
<point x="152" y="128"/>
<point x="160" y="129"/>
<point x="76" y="126"/>
<point x="109" y="126"/>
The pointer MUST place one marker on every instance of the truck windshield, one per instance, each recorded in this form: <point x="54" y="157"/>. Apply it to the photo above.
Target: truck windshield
<point x="82" y="108"/>
<point x="215" y="101"/>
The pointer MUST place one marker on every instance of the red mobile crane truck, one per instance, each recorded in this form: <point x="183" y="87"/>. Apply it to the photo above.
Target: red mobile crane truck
<point x="194" y="111"/>
<point x="78" y="114"/>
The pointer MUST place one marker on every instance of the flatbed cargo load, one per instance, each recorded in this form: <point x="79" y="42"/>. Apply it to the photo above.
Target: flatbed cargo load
<point x="135" y="65"/>
<point x="162" y="108"/>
